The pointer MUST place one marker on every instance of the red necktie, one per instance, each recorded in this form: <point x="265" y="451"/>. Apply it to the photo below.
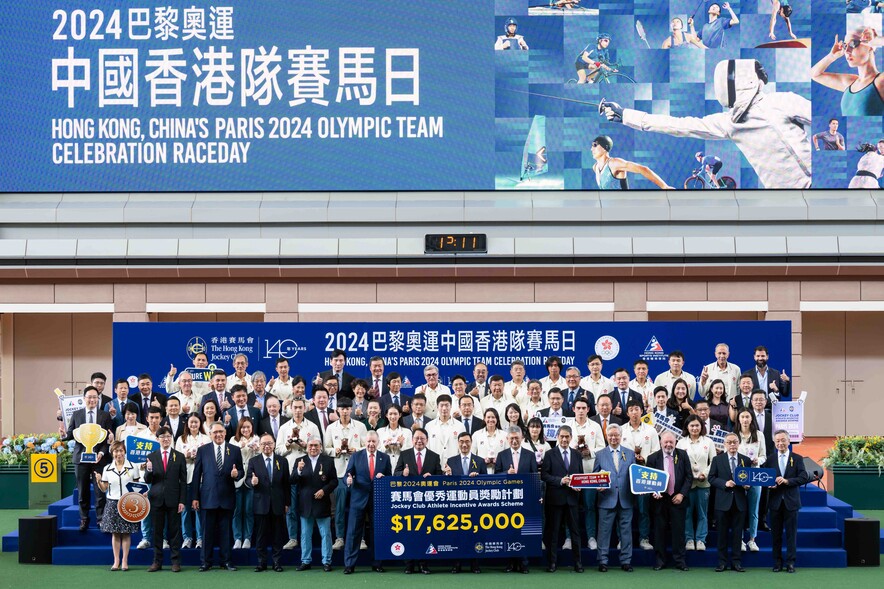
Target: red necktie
<point x="324" y="420"/>
<point x="165" y="460"/>
<point x="420" y="464"/>
<point x="371" y="466"/>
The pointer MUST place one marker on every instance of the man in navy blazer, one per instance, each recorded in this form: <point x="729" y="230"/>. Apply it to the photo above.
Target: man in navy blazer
<point x="615" y="503"/>
<point x="240" y="409"/>
<point x="516" y="460"/>
<point x="268" y="477"/>
<point x="475" y="464"/>
<point x="668" y="508"/>
<point x="762" y="373"/>
<point x="214" y="492"/>
<point x="785" y="500"/>
<point x="363" y="468"/>
<point x="394" y="395"/>
<point x="731" y="503"/>
<point x="560" y="500"/>
<point x="218" y="392"/>
<point x="621" y="381"/>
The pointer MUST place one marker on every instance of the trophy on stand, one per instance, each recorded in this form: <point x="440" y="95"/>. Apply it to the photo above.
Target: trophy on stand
<point x="90" y="435"/>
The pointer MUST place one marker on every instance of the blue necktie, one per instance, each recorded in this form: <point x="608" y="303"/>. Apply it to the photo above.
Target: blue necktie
<point x="566" y="457"/>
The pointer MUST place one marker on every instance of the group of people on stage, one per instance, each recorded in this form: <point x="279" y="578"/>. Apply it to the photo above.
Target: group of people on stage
<point x="243" y="459"/>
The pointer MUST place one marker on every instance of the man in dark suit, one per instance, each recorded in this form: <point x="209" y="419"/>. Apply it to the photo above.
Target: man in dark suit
<point x="418" y="415"/>
<point x="668" y="508"/>
<point x="394" y="395"/>
<point x="273" y="421"/>
<point x="575" y="391"/>
<point x="730" y="502"/>
<point x="768" y="379"/>
<point x="623" y="395"/>
<point x="85" y="471"/>
<point x="556" y="405"/>
<point x="418" y="461"/>
<point x="166" y="473"/>
<point x="146" y="398"/>
<point x="345" y="379"/>
<point x="268" y="477"/>
<point x="464" y="463"/>
<point x="785" y="500"/>
<point x="217" y="468"/>
<point x="764" y="423"/>
<point x="478" y="388"/>
<point x="173" y="420"/>
<point x="218" y="392"/>
<point x="516" y="461"/>
<point x="561" y="501"/>
<point x="362" y="469"/>
<point x="321" y="415"/>
<point x="240" y="410"/>
<point x="377" y="384"/>
<point x="316" y="478"/>
<point x="115" y="407"/>
<point x="466" y="406"/>
<point x="603" y="415"/>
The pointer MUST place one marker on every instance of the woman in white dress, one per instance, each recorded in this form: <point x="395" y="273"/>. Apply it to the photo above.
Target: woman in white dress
<point x="113" y="480"/>
<point x="189" y="442"/>
<point x="491" y="440"/>
<point x="393" y="439"/>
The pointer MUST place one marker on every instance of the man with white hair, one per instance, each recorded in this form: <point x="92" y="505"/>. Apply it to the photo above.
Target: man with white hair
<point x="615" y="502"/>
<point x="432" y="389"/>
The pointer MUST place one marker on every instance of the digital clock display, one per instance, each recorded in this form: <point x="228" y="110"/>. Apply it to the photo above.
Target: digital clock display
<point x="472" y="243"/>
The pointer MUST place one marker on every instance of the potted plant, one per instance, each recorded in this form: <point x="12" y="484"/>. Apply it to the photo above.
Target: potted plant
<point x="857" y="465"/>
<point x="15" y="453"/>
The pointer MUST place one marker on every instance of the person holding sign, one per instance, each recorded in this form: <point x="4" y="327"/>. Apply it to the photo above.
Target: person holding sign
<point x="668" y="508"/>
<point x="785" y="500"/>
<point x="218" y="467"/>
<point x="701" y="451"/>
<point x="752" y="445"/>
<point x="166" y="473"/>
<point x="560" y="501"/>
<point x="91" y="460"/>
<point x="615" y="502"/>
<point x="642" y="439"/>
<point x="730" y="502"/>
<point x="113" y="481"/>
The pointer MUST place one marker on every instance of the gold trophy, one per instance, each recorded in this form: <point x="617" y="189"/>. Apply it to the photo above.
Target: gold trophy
<point x="90" y="435"/>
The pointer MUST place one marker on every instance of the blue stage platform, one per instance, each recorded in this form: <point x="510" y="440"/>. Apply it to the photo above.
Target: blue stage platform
<point x="820" y="541"/>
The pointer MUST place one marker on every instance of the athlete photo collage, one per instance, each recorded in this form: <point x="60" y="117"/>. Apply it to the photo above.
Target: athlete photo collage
<point x="688" y="94"/>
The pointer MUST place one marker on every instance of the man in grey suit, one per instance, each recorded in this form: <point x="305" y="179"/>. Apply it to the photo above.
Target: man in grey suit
<point x="615" y="501"/>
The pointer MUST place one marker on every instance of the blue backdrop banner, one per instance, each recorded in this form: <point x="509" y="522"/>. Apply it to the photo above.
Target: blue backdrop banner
<point x="454" y="347"/>
<point x="440" y="518"/>
<point x="241" y="95"/>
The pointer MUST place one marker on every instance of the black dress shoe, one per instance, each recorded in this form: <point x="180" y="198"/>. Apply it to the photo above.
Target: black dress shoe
<point x="229" y="567"/>
<point x="551" y="568"/>
<point x="719" y="568"/>
<point x="682" y="567"/>
<point x="260" y="568"/>
<point x="425" y="570"/>
<point x="455" y="569"/>
<point x="409" y="570"/>
<point x="578" y="568"/>
<point x="739" y="568"/>
<point x="349" y="570"/>
<point x="379" y="569"/>
<point x="626" y="568"/>
<point x="776" y="568"/>
<point x="205" y="567"/>
<point x="327" y="568"/>
<point x="603" y="568"/>
<point x="763" y="527"/>
<point x="278" y="568"/>
<point x="476" y="570"/>
<point x="509" y="568"/>
<point x="524" y="570"/>
<point x="84" y="525"/>
<point x="304" y="566"/>
<point x="790" y="568"/>
<point x="659" y="567"/>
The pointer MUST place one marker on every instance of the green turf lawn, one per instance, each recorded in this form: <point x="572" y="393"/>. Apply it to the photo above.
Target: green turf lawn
<point x="14" y="575"/>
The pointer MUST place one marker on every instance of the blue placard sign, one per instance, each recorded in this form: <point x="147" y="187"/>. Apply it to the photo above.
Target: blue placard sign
<point x="643" y="479"/>
<point x="755" y="477"/>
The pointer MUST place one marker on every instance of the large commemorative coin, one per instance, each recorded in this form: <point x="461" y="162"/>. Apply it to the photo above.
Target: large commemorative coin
<point x="133" y="507"/>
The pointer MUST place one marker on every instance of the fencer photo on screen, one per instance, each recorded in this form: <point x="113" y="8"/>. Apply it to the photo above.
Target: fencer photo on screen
<point x="460" y="95"/>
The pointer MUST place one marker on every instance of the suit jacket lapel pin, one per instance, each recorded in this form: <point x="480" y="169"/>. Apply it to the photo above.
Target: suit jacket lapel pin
<point x="474" y="464"/>
<point x="791" y="461"/>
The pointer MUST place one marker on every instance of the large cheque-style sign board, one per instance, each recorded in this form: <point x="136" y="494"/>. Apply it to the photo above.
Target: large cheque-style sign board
<point x="433" y="518"/>
<point x="237" y="95"/>
<point x="455" y="348"/>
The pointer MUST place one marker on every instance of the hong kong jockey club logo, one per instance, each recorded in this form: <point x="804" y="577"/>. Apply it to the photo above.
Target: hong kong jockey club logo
<point x="479" y="548"/>
<point x="654" y="350"/>
<point x="196" y="345"/>
<point x="398" y="548"/>
<point x="607" y="347"/>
